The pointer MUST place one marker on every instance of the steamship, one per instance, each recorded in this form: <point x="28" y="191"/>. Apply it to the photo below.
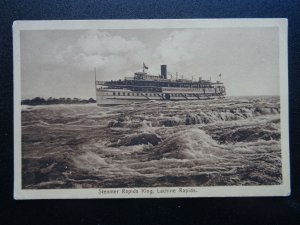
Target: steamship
<point x="144" y="87"/>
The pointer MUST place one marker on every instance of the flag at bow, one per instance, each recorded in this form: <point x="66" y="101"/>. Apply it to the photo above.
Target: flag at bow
<point x="220" y="76"/>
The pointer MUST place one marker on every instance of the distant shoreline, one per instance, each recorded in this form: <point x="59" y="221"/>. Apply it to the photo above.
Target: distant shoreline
<point x="55" y="101"/>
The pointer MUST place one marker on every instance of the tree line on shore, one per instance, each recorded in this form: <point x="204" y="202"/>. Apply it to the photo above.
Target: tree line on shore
<point x="52" y="101"/>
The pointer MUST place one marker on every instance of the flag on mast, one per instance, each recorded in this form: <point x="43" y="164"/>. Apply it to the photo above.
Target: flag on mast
<point x="144" y="66"/>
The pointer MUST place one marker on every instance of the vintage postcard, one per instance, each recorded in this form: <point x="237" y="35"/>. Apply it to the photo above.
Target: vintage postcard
<point x="150" y="108"/>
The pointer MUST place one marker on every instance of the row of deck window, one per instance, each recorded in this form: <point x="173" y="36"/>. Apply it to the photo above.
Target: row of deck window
<point x="134" y="94"/>
<point x="149" y="94"/>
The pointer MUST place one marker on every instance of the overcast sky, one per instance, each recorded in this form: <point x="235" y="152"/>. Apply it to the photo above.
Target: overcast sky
<point x="60" y="63"/>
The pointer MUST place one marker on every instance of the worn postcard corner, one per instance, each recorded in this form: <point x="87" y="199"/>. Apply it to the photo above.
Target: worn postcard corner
<point x="150" y="108"/>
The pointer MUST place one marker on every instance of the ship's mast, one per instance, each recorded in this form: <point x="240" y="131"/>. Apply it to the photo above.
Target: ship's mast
<point x="95" y="71"/>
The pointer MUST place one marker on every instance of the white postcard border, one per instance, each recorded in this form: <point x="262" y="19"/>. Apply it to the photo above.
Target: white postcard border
<point x="160" y="192"/>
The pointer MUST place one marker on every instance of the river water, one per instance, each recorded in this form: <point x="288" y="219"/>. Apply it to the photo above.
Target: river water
<point x="232" y="141"/>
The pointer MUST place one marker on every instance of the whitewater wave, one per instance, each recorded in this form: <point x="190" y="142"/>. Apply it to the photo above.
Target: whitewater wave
<point x="188" y="144"/>
<point x="231" y="141"/>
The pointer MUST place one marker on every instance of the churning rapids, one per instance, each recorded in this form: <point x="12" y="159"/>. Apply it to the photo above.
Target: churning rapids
<point x="232" y="141"/>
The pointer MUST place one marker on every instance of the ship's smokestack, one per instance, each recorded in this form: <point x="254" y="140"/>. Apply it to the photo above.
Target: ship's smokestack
<point x="163" y="69"/>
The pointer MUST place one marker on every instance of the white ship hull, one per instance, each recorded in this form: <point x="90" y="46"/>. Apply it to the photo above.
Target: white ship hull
<point x="106" y="96"/>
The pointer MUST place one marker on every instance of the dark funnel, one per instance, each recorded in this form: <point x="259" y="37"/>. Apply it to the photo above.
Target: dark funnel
<point x="163" y="69"/>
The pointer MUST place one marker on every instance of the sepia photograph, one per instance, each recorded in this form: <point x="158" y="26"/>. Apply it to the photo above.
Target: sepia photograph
<point x="150" y="108"/>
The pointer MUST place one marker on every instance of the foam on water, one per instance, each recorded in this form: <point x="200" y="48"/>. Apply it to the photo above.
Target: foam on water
<point x="230" y="141"/>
